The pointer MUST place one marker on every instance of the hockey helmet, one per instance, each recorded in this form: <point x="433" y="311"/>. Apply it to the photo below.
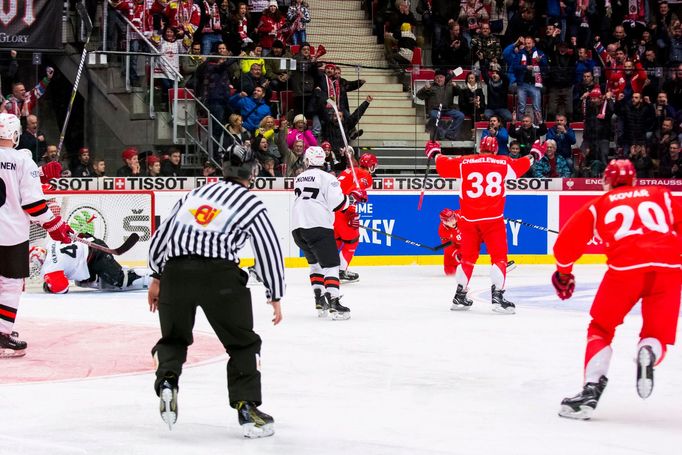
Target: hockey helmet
<point x="368" y="161"/>
<point x="10" y="128"/>
<point x="448" y="215"/>
<point x="56" y="282"/>
<point x="620" y="173"/>
<point x="314" y="156"/>
<point x="240" y="162"/>
<point x="488" y="145"/>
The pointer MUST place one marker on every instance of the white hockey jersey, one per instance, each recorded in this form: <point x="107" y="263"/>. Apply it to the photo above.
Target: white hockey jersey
<point x="19" y="187"/>
<point x="318" y="195"/>
<point x="71" y="258"/>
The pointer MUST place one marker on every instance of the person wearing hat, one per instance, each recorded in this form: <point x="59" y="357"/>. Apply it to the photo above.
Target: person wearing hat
<point x="209" y="169"/>
<point x="497" y="84"/>
<point x="131" y="168"/>
<point x="271" y="26"/>
<point x="83" y="167"/>
<point x="153" y="166"/>
<point x="303" y="81"/>
<point x="442" y="92"/>
<point x="277" y="75"/>
<point x="597" y="134"/>
<point x="301" y="132"/>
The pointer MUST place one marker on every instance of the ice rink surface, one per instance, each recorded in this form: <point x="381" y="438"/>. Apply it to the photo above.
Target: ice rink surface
<point x="403" y="376"/>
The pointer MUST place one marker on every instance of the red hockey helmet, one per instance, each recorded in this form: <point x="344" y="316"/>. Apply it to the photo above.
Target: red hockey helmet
<point x="449" y="215"/>
<point x="488" y="145"/>
<point x="620" y="173"/>
<point x="56" y="282"/>
<point x="368" y="161"/>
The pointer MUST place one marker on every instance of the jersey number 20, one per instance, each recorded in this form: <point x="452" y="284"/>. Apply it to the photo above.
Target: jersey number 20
<point x="650" y="214"/>
<point x="491" y="185"/>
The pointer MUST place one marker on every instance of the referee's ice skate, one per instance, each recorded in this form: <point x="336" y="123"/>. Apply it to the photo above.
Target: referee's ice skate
<point x="255" y="423"/>
<point x="168" y="405"/>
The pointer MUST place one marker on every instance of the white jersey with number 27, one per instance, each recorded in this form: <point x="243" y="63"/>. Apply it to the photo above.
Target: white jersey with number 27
<point x="318" y="195"/>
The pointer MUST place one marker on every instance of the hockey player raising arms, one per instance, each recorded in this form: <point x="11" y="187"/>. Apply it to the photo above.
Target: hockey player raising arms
<point x="21" y="201"/>
<point x="640" y="228"/>
<point x="347" y="224"/>
<point x="318" y="195"/>
<point x="482" y="197"/>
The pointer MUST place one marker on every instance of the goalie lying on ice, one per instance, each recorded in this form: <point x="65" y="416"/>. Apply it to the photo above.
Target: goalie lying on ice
<point x="87" y="267"/>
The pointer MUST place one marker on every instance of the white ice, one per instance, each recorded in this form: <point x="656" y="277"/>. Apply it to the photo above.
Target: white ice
<point x="403" y="376"/>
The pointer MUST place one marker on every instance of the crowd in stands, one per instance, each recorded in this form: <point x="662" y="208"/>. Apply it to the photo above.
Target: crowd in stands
<point x="534" y="69"/>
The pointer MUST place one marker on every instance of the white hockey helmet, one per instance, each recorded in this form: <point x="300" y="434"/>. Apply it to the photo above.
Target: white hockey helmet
<point x="314" y="156"/>
<point x="10" y="128"/>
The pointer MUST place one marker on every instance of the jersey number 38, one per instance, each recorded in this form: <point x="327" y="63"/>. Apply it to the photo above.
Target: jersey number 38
<point x="490" y="185"/>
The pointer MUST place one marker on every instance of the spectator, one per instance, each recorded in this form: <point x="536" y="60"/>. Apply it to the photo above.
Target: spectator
<point x="252" y="108"/>
<point x="83" y="167"/>
<point x="138" y="14"/>
<point x="638" y="120"/>
<point x="293" y="159"/>
<point x="183" y="16"/>
<point x="654" y="72"/>
<point x="401" y="57"/>
<point x="277" y="75"/>
<point x="268" y="168"/>
<point x="303" y="80"/>
<point x="261" y="148"/>
<point x="332" y="132"/>
<point x="471" y="15"/>
<point x="582" y="91"/>
<point x="33" y="139"/>
<point x="673" y="87"/>
<point x="255" y="54"/>
<point x="189" y="64"/>
<point x="8" y="72"/>
<point x="167" y="67"/>
<point x="675" y="46"/>
<point x="552" y="165"/>
<point x="564" y="136"/>
<point x="662" y="109"/>
<point x="22" y="103"/>
<point x="453" y="50"/>
<point x="485" y="47"/>
<point x="241" y="23"/>
<point x="521" y="24"/>
<point x="256" y="9"/>
<point x="497" y="130"/>
<point x="662" y="139"/>
<point x="254" y="78"/>
<point x="99" y="168"/>
<point x="235" y="133"/>
<point x="560" y="82"/>
<point x="210" y="25"/>
<point x="271" y="26"/>
<point x="530" y="67"/>
<point x="631" y="80"/>
<point x="527" y="133"/>
<point x="298" y="16"/>
<point x="209" y="169"/>
<point x="597" y="133"/>
<point x="584" y="64"/>
<point x="131" y="166"/>
<point x="671" y="162"/>
<point x="330" y="160"/>
<point x="498" y="91"/>
<point x="442" y="92"/>
<point x="515" y="153"/>
<point x="395" y="21"/>
<point x="172" y="166"/>
<point x="277" y="138"/>
<point x="153" y="166"/>
<point x="644" y="166"/>
<point x="300" y="132"/>
<point x="471" y="98"/>
<point x="49" y="156"/>
<point x="346" y="86"/>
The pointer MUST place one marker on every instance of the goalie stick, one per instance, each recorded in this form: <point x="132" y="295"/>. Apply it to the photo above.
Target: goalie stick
<point x="127" y="245"/>
<point x="534" y="226"/>
<point x="408" y="241"/>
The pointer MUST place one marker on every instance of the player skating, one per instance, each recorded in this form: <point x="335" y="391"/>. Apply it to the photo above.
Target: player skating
<point x="87" y="267"/>
<point x="347" y="224"/>
<point x="318" y="196"/>
<point x="482" y="197"/>
<point x="21" y="201"/>
<point x="640" y="228"/>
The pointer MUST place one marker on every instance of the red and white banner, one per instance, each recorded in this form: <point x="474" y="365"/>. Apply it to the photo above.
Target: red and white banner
<point x="31" y="24"/>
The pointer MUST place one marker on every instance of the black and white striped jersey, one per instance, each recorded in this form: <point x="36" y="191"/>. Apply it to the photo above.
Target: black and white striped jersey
<point x="215" y="221"/>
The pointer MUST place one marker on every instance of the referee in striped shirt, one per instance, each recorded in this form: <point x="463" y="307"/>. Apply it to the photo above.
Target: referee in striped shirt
<point x="193" y="255"/>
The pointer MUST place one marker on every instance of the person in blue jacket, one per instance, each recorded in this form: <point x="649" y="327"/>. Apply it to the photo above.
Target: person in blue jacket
<point x="252" y="108"/>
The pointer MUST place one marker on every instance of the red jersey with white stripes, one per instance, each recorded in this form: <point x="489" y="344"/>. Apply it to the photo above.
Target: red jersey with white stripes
<point x="482" y="190"/>
<point x="348" y="184"/>
<point x="639" y="226"/>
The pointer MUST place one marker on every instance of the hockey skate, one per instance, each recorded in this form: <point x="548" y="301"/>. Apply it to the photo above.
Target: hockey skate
<point x="582" y="405"/>
<point x="511" y="265"/>
<point x="11" y="346"/>
<point x="500" y="304"/>
<point x="348" y="277"/>
<point x="321" y="304"/>
<point x="646" y="359"/>
<point x="337" y="311"/>
<point x="168" y="406"/>
<point x="254" y="422"/>
<point x="460" y="301"/>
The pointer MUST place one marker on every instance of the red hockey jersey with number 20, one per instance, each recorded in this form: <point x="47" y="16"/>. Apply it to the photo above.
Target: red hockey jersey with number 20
<point x="482" y="190"/>
<point x="639" y="226"/>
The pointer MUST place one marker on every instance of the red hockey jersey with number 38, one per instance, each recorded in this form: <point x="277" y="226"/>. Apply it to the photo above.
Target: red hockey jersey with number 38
<point x="482" y="190"/>
<point x="639" y="226"/>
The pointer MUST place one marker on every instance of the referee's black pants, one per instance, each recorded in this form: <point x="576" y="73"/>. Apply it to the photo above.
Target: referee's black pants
<point x="219" y="288"/>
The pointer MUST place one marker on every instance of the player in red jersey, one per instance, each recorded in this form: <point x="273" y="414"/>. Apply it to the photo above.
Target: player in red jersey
<point x="448" y="231"/>
<point x="482" y="196"/>
<point x="347" y="224"/>
<point x="640" y="228"/>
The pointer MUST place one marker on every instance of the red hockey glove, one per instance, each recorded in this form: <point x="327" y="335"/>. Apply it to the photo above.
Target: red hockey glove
<point x="354" y="222"/>
<point x="49" y="171"/>
<point x="431" y="149"/>
<point x="58" y="230"/>
<point x="538" y="150"/>
<point x="359" y="195"/>
<point x="564" y="283"/>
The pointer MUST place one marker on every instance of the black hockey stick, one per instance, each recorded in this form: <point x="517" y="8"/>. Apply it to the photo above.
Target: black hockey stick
<point x="534" y="226"/>
<point x="408" y="241"/>
<point x="127" y="245"/>
<point x="428" y="162"/>
<point x="87" y="24"/>
<point x="345" y="141"/>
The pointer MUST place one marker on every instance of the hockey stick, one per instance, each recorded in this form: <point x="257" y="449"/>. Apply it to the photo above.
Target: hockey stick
<point x="408" y="241"/>
<point x="87" y="23"/>
<point x="345" y="141"/>
<point x="127" y="245"/>
<point x="428" y="162"/>
<point x="534" y="226"/>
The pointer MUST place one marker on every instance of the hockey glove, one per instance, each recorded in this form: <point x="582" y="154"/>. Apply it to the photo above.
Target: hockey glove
<point x="58" y="230"/>
<point x="431" y="149"/>
<point x="564" y="283"/>
<point x="538" y="150"/>
<point x="359" y="195"/>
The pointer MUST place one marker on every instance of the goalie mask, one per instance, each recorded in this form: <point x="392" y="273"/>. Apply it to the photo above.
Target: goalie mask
<point x="10" y="128"/>
<point x="240" y="162"/>
<point x="314" y="157"/>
